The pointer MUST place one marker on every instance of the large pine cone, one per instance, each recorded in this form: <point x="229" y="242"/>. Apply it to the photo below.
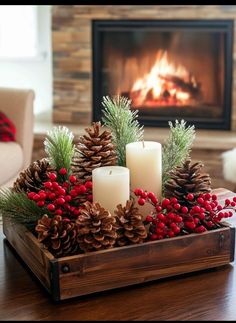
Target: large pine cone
<point x="96" y="228"/>
<point x="186" y="179"/>
<point x="92" y="151"/>
<point x="129" y="225"/>
<point x="32" y="178"/>
<point x="58" y="234"/>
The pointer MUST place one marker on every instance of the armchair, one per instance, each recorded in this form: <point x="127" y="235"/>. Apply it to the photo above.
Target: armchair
<point x="17" y="104"/>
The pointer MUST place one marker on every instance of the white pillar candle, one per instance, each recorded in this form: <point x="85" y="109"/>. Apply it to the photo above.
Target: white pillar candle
<point x="144" y="160"/>
<point x="111" y="186"/>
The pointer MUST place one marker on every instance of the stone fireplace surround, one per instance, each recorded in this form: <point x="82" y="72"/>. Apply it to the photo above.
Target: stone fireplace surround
<point x="72" y="50"/>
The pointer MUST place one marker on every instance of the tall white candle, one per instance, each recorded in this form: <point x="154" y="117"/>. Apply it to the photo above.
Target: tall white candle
<point x="111" y="186"/>
<point x="144" y="160"/>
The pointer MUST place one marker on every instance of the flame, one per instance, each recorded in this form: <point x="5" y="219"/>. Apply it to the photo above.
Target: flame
<point x="165" y="84"/>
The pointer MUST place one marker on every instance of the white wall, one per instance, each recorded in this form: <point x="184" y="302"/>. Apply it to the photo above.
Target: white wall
<point x="33" y="73"/>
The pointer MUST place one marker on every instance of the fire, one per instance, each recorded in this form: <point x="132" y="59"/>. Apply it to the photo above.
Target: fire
<point x="165" y="84"/>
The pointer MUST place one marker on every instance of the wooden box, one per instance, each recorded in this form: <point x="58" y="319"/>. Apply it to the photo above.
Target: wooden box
<point x="103" y="270"/>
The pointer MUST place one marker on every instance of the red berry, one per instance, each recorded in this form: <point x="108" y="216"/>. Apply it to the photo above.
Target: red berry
<point x="161" y="225"/>
<point x="227" y="201"/>
<point x="161" y="216"/>
<point x="149" y="218"/>
<point x="90" y="197"/>
<point x="176" y="230"/>
<point x="226" y="215"/>
<point x="31" y="195"/>
<point x="196" y="209"/>
<point x="173" y="200"/>
<point x="158" y="208"/>
<point x="159" y="230"/>
<point x="159" y="237"/>
<point x="144" y="195"/>
<point x="153" y="236"/>
<point x="141" y="201"/>
<point x="190" y="197"/>
<point x="184" y="210"/>
<point x="52" y="177"/>
<point x="190" y="225"/>
<point x="59" y="212"/>
<point x="36" y="197"/>
<point x="173" y="225"/>
<point x="47" y="185"/>
<point x="51" y="196"/>
<point x="51" y="207"/>
<point x="66" y="185"/>
<point x="171" y="215"/>
<point x="207" y="196"/>
<point x="230" y="213"/>
<point x="67" y="198"/>
<point x="60" y="201"/>
<point x="200" y="200"/>
<point x="62" y="191"/>
<point x="210" y="224"/>
<point x="154" y="200"/>
<point x="165" y="202"/>
<point x="220" y="215"/>
<point x="138" y="191"/>
<point x="76" y="212"/>
<point x="89" y="185"/>
<point x="40" y="203"/>
<point x="196" y="220"/>
<point x="233" y="204"/>
<point x="178" y="219"/>
<point x="63" y="171"/>
<point x="72" y="179"/>
<point x="42" y="196"/>
<point x="82" y="189"/>
<point x="169" y="207"/>
<point x="177" y="206"/>
<point x="219" y="207"/>
<point x="200" y="229"/>
<point x="55" y="185"/>
<point x="73" y="193"/>
<point x="151" y="195"/>
<point x="234" y="199"/>
<point x="171" y="233"/>
<point x="201" y="216"/>
<point x="214" y="197"/>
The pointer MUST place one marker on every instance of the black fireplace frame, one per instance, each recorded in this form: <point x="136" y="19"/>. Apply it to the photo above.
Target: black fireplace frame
<point x="226" y="26"/>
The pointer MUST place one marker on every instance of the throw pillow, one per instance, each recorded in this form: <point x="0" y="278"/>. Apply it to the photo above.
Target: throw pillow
<point x="7" y="129"/>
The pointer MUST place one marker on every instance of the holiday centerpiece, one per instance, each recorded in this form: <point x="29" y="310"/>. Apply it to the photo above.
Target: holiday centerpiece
<point x="111" y="200"/>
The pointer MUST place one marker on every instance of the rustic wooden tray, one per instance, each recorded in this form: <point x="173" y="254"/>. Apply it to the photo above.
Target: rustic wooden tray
<point x="108" y="269"/>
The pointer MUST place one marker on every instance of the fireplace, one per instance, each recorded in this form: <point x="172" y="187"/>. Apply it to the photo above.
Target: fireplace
<point x="169" y="69"/>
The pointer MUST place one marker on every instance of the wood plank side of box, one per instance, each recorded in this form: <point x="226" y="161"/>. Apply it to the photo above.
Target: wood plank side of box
<point x="83" y="274"/>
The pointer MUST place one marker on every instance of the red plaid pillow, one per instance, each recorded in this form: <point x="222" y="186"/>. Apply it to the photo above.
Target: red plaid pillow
<point x="7" y="129"/>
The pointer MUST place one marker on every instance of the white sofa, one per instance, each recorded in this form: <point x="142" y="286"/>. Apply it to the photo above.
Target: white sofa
<point x="15" y="156"/>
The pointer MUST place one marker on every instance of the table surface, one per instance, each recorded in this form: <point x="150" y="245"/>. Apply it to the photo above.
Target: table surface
<point x="205" y="295"/>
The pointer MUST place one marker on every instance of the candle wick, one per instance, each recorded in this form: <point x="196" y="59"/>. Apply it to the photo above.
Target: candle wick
<point x="110" y="172"/>
<point x="143" y="144"/>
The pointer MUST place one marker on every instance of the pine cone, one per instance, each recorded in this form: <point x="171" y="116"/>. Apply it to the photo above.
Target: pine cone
<point x="58" y="234"/>
<point x="96" y="228"/>
<point x="186" y="179"/>
<point x="92" y="151"/>
<point x="31" y="178"/>
<point x="129" y="225"/>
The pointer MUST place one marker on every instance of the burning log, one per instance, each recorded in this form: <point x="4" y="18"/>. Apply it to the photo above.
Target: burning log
<point x="190" y="87"/>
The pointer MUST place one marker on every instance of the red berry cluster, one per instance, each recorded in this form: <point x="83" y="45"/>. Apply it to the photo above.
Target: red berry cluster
<point x="170" y="219"/>
<point x="62" y="198"/>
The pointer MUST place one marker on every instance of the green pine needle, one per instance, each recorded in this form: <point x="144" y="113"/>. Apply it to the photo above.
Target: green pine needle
<point x="177" y="147"/>
<point x="18" y="207"/>
<point x="60" y="148"/>
<point x="122" y="122"/>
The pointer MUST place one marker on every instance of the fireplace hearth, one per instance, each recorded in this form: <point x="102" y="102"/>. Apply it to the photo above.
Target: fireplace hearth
<point x="169" y="69"/>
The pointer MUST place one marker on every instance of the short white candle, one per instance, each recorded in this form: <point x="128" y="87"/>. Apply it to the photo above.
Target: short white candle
<point x="144" y="160"/>
<point x="111" y="186"/>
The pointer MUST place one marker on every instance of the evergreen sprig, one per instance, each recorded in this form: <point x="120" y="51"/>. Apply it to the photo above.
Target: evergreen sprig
<point x="60" y="148"/>
<point x="122" y="122"/>
<point x="177" y="147"/>
<point x="17" y="206"/>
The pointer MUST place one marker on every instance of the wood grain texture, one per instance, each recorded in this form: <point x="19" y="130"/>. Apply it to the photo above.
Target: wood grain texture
<point x="124" y="266"/>
<point x="30" y="250"/>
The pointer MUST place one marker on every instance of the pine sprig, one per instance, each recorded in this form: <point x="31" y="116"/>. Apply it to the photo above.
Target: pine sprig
<point x="18" y="207"/>
<point x="177" y="147"/>
<point x="122" y="122"/>
<point x="60" y="148"/>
